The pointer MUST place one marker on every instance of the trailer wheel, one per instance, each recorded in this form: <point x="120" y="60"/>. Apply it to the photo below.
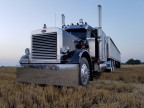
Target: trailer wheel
<point x="118" y="64"/>
<point x="111" y="66"/>
<point x="84" y="72"/>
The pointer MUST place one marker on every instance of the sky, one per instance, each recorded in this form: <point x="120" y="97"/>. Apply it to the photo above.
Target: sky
<point x="122" y="20"/>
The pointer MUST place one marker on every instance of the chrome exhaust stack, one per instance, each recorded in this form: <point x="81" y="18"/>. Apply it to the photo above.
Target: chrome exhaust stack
<point x="100" y="38"/>
<point x="100" y="16"/>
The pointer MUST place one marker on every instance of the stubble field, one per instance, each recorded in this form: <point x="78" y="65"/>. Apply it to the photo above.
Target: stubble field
<point x="123" y="88"/>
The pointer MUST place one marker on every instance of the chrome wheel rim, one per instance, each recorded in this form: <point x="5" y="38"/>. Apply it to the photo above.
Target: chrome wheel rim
<point x="84" y="73"/>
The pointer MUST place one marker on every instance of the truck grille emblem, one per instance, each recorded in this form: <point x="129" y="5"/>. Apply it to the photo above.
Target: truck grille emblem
<point x="43" y="31"/>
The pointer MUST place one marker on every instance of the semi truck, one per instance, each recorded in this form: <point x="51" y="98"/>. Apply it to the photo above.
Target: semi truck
<point x="69" y="55"/>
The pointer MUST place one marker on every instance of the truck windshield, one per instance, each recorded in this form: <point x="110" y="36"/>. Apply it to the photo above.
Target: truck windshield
<point x="80" y="33"/>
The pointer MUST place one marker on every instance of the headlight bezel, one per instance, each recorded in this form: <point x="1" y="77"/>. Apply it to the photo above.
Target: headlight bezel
<point x="65" y="49"/>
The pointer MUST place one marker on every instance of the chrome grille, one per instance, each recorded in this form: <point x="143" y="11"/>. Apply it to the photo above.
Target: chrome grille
<point x="44" y="46"/>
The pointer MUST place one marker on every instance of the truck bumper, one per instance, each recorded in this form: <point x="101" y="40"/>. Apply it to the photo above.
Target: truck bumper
<point x="49" y="74"/>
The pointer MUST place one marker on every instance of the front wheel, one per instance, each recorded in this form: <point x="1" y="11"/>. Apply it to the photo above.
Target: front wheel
<point x="84" y="72"/>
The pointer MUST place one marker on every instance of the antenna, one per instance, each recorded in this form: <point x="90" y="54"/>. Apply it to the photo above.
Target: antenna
<point x="63" y="20"/>
<point x="55" y="19"/>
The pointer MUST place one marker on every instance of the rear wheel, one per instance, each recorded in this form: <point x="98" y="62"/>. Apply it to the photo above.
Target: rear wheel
<point x="118" y="64"/>
<point x="84" y="72"/>
<point x="111" y="66"/>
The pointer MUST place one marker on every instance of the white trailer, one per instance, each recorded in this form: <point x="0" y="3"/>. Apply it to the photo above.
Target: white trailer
<point x="113" y="52"/>
<point x="113" y="55"/>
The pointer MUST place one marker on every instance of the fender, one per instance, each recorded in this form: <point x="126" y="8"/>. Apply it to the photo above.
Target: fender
<point x="77" y="54"/>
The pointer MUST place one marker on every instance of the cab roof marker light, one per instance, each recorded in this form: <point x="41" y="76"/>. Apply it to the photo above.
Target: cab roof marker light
<point x="44" y="27"/>
<point x="81" y="21"/>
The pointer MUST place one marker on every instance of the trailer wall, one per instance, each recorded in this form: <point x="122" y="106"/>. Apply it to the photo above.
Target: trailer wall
<point x="113" y="52"/>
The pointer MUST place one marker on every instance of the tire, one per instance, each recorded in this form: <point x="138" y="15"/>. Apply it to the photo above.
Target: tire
<point x="118" y="64"/>
<point x="84" y="72"/>
<point x="111" y="66"/>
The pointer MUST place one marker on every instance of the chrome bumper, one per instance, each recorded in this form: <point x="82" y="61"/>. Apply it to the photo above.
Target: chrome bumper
<point x="49" y="74"/>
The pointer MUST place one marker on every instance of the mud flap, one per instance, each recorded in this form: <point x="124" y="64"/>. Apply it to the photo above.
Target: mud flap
<point x="49" y="74"/>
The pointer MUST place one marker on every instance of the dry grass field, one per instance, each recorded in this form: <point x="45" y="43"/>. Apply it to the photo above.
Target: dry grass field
<point x="123" y="88"/>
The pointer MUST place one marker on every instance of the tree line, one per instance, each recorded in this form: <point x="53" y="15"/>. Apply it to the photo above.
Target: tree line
<point x="133" y="62"/>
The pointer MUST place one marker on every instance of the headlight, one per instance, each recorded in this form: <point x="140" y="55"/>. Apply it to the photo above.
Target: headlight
<point x="65" y="49"/>
<point x="27" y="51"/>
